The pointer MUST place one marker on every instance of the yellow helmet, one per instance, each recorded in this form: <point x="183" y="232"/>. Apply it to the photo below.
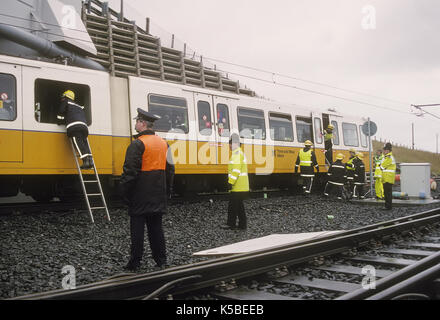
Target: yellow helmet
<point x="308" y="143"/>
<point x="339" y="156"/>
<point x="359" y="155"/>
<point x="330" y="126"/>
<point x="352" y="150"/>
<point x="69" y="94"/>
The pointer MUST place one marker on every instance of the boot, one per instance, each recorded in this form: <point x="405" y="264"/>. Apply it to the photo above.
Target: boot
<point x="87" y="163"/>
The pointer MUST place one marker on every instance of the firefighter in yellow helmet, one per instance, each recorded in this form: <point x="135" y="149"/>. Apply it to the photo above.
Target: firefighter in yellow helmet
<point x="238" y="183"/>
<point x="306" y="162"/>
<point x="73" y="116"/>
<point x="337" y="176"/>
<point x="328" y="143"/>
<point x="359" y="176"/>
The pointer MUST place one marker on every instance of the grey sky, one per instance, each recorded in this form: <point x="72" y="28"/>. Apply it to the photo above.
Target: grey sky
<point x="321" y="41"/>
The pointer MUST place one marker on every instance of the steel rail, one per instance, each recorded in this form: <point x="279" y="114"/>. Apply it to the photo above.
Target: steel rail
<point x="243" y="265"/>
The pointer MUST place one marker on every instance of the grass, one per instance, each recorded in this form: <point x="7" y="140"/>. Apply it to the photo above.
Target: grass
<point x="405" y="155"/>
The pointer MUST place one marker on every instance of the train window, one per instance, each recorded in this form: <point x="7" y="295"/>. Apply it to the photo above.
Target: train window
<point x="222" y="120"/>
<point x="173" y="112"/>
<point x="48" y="97"/>
<point x="8" y="102"/>
<point x="318" y="130"/>
<point x="349" y="131"/>
<point x="280" y="127"/>
<point x="363" y="138"/>
<point x="251" y="123"/>
<point x="335" y="133"/>
<point x="204" y="112"/>
<point x="304" y="129"/>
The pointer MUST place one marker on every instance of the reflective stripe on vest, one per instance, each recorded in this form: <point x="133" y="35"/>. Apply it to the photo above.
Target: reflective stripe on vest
<point x="155" y="154"/>
<point x="305" y="158"/>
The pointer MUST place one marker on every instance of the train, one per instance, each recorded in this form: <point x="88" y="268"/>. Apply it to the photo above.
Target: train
<point x="36" y="157"/>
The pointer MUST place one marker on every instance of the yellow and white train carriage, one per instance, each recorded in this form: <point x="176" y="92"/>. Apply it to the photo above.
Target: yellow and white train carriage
<point x="36" y="156"/>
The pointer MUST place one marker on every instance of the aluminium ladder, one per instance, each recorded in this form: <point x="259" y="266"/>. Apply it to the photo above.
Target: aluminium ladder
<point x="89" y="183"/>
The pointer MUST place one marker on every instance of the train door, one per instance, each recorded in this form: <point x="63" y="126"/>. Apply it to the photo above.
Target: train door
<point x="11" y="117"/>
<point x="206" y="135"/>
<point x="318" y="138"/>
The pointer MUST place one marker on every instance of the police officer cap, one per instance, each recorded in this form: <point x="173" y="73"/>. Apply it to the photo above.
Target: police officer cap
<point x="388" y="146"/>
<point x="145" y="115"/>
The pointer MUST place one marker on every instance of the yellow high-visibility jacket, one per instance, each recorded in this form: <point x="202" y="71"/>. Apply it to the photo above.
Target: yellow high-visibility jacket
<point x="238" y="172"/>
<point x="377" y="170"/>
<point x="388" y="167"/>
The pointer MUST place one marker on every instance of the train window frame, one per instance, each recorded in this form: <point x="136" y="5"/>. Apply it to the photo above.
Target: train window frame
<point x="207" y="129"/>
<point x="182" y="128"/>
<point x="299" y="126"/>
<point x="317" y="131"/>
<point x="363" y="137"/>
<point x="223" y="131"/>
<point x="5" y="98"/>
<point x="240" y="123"/>
<point x="335" y="132"/>
<point x="52" y="91"/>
<point x="287" y="118"/>
<point x="345" y="136"/>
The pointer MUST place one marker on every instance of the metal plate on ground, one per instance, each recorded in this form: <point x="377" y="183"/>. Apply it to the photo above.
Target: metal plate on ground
<point x="322" y="284"/>
<point x="267" y="242"/>
<point x="409" y="252"/>
<point x="354" y="270"/>
<point x="249" y="294"/>
<point x="384" y="260"/>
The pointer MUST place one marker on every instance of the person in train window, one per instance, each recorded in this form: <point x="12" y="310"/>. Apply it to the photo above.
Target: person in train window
<point x="337" y="176"/>
<point x="146" y="184"/>
<point x="72" y="115"/>
<point x="306" y="162"/>
<point x="238" y="184"/>
<point x="359" y="176"/>
<point x="349" y="165"/>
<point x="328" y="143"/>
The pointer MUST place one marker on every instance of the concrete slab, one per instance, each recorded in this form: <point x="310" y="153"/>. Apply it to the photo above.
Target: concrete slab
<point x="398" y="202"/>
<point x="271" y="241"/>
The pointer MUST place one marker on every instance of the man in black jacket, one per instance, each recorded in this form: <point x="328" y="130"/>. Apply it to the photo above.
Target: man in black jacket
<point x="337" y="176"/>
<point x="72" y="115"/>
<point x="146" y="183"/>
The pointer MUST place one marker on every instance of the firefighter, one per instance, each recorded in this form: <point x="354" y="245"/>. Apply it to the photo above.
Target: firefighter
<point x="350" y="169"/>
<point x="337" y="176"/>
<point x="359" y="176"/>
<point x="238" y="184"/>
<point x="146" y="184"/>
<point x="306" y="162"/>
<point x="72" y="115"/>
<point x="328" y="144"/>
<point x="378" y="186"/>
<point x="388" y="167"/>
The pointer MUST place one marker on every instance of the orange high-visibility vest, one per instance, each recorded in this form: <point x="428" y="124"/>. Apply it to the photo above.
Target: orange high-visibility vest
<point x="155" y="154"/>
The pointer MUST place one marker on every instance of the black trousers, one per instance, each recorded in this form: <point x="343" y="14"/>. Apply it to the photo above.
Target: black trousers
<point x="388" y="193"/>
<point x="79" y="134"/>
<point x="155" y="237"/>
<point x="329" y="156"/>
<point x="236" y="210"/>
<point x="332" y="188"/>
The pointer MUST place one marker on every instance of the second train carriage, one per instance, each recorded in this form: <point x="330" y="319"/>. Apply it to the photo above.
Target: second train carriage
<point x="36" y="156"/>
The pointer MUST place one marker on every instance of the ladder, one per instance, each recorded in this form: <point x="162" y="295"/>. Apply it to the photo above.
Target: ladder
<point x="89" y="183"/>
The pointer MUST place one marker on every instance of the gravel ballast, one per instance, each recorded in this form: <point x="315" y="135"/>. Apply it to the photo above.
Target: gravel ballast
<point x="35" y="247"/>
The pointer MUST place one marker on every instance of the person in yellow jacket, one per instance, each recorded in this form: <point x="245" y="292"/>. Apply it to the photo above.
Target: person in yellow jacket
<point x="388" y="167"/>
<point x="378" y="185"/>
<point x="306" y="162"/>
<point x="238" y="183"/>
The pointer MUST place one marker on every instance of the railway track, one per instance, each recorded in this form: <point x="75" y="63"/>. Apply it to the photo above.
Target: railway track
<point x="382" y="261"/>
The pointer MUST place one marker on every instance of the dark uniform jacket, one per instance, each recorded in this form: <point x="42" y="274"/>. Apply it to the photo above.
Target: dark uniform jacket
<point x="359" y="170"/>
<point x="72" y="115"/>
<point x="307" y="170"/>
<point x="148" y="176"/>
<point x="337" y="173"/>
